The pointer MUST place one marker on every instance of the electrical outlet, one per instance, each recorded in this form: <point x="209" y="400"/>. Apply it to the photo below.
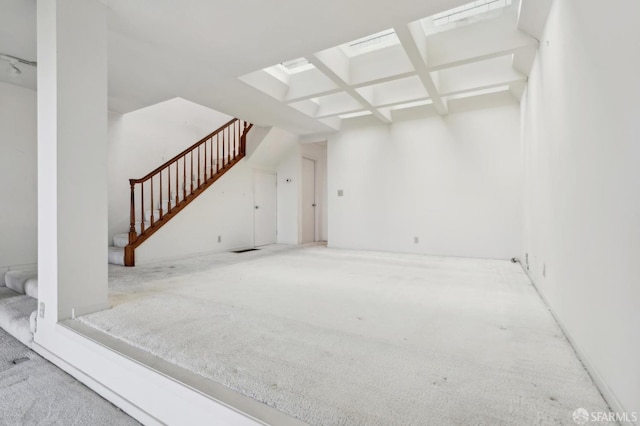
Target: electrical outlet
<point x="416" y="240"/>
<point x="41" y="313"/>
<point x="219" y="238"/>
<point x="340" y="193"/>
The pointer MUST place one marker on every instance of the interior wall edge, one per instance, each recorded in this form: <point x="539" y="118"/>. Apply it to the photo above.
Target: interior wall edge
<point x="614" y="403"/>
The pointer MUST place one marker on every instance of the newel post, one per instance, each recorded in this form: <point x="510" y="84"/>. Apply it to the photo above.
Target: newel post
<point x="132" y="228"/>
<point x="243" y="139"/>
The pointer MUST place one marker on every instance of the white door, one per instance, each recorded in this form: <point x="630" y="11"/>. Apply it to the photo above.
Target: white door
<point x="264" y="213"/>
<point x="308" y="200"/>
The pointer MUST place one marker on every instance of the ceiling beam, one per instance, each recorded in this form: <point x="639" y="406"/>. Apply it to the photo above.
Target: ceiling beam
<point x="344" y="85"/>
<point x="409" y="36"/>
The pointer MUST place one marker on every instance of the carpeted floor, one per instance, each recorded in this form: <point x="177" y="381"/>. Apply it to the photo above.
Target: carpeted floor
<point x="35" y="392"/>
<point x="338" y="337"/>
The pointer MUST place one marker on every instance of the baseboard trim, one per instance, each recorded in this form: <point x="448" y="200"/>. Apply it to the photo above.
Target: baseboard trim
<point x="598" y="380"/>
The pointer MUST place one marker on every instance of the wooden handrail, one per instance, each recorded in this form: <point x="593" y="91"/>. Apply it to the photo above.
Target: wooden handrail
<point x="227" y="146"/>
<point x="182" y="154"/>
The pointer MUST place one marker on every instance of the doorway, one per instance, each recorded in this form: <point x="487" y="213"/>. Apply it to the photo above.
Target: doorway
<point x="264" y="208"/>
<point x="308" y="200"/>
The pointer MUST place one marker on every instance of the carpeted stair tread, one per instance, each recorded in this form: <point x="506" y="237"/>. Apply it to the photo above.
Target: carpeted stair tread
<point x="31" y="287"/>
<point x="116" y="255"/>
<point x="17" y="315"/>
<point x="16" y="279"/>
<point x="121" y="240"/>
<point x="147" y="225"/>
<point x="6" y="292"/>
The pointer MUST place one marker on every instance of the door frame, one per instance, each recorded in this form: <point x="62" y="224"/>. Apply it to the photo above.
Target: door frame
<point x="253" y="203"/>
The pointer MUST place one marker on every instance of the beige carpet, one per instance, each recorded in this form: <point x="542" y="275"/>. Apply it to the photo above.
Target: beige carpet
<point x="336" y="337"/>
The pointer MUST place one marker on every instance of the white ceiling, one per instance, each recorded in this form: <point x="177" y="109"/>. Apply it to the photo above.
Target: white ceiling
<point x="198" y="49"/>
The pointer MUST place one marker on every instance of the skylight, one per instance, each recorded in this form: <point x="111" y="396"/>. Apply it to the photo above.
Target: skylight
<point x="479" y="92"/>
<point x="467" y="13"/>
<point x="371" y="42"/>
<point x="470" y="9"/>
<point x="411" y="105"/>
<point x="354" y="114"/>
<point x="296" y="65"/>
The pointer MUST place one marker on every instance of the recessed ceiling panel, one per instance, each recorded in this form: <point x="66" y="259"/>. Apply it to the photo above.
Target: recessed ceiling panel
<point x="339" y="103"/>
<point x="490" y="72"/>
<point x="476" y="42"/>
<point x="308" y="84"/>
<point x="387" y="63"/>
<point x="399" y="91"/>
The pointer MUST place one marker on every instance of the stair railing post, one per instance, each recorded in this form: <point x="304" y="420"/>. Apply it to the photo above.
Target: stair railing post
<point x="169" y="188"/>
<point x="229" y="144"/>
<point x="191" y="174"/>
<point x="160" y="197"/>
<point x="142" y="208"/>
<point x="198" y="166"/>
<point x="132" y="228"/>
<point x="177" y="185"/>
<point x="151" y="202"/>
<point x="184" y="177"/>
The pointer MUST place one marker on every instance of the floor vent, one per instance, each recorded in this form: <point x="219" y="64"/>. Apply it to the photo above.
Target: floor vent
<point x="244" y="251"/>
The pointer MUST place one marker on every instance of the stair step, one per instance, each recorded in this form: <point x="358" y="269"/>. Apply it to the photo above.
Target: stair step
<point x="31" y="287"/>
<point x="116" y="255"/>
<point x="147" y="225"/>
<point x="164" y="205"/>
<point x="18" y="315"/>
<point x="121" y="240"/>
<point x="147" y="216"/>
<point x="17" y="279"/>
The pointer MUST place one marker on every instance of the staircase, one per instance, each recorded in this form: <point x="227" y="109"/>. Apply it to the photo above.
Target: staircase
<point x="18" y="303"/>
<point x="160" y="195"/>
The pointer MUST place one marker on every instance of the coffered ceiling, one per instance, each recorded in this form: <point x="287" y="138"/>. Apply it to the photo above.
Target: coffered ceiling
<point x="217" y="54"/>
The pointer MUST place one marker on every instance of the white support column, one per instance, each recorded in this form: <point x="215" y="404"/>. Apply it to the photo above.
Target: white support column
<point x="72" y="159"/>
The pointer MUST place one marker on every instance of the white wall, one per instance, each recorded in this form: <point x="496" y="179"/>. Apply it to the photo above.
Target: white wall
<point x="454" y="182"/>
<point x="582" y="188"/>
<point x="18" y="192"/>
<point x="142" y="140"/>
<point x="278" y="151"/>
<point x="225" y="210"/>
<point x="288" y="172"/>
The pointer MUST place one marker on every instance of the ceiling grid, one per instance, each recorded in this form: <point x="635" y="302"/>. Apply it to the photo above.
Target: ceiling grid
<point x="479" y="50"/>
